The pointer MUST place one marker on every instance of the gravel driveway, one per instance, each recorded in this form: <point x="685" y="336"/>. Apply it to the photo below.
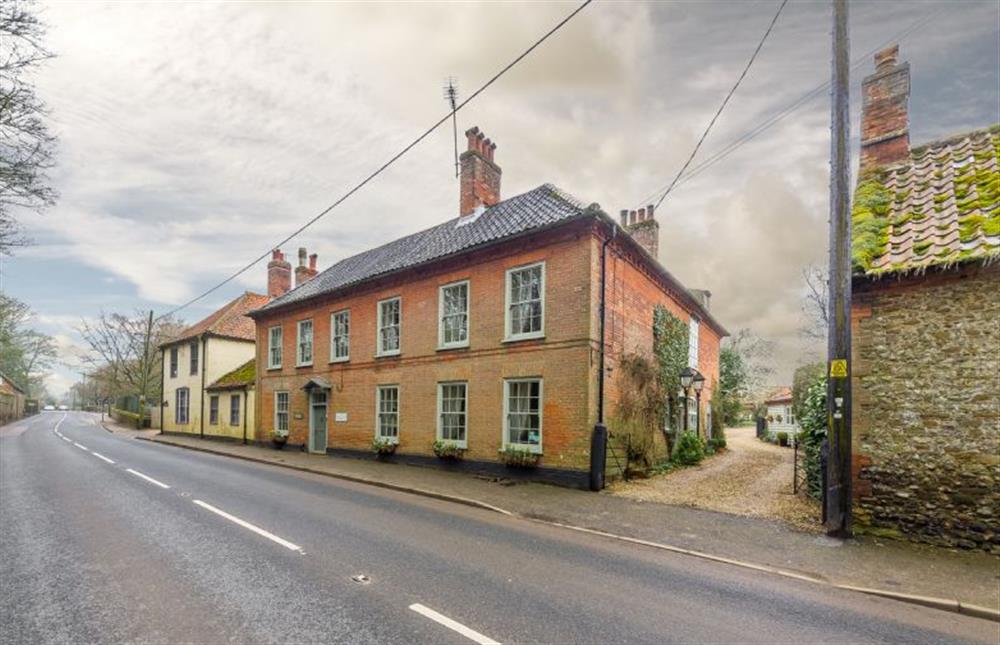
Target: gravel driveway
<point x="750" y="478"/>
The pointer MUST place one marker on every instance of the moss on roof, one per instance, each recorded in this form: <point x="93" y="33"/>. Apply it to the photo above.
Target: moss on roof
<point x="245" y="374"/>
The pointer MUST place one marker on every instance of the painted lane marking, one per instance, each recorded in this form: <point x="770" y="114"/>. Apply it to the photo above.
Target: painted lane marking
<point x="80" y="446"/>
<point x="471" y="634"/>
<point x="66" y="439"/>
<point x="147" y="478"/>
<point x="247" y="525"/>
<point x="100" y="456"/>
<point x="59" y="423"/>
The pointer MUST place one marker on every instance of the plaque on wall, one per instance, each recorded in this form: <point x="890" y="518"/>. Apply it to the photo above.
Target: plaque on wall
<point x="340" y="417"/>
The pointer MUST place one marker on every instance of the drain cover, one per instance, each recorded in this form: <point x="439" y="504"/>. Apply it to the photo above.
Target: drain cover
<point x="361" y="579"/>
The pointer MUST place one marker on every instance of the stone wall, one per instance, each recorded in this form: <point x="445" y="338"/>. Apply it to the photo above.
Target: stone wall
<point x="926" y="414"/>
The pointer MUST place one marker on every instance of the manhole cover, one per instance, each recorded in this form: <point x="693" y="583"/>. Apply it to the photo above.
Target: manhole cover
<point x="361" y="579"/>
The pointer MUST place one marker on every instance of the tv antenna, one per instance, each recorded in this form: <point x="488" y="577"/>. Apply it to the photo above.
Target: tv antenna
<point x="451" y="95"/>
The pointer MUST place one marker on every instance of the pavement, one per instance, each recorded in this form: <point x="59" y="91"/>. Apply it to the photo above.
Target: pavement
<point x="108" y="539"/>
<point x="960" y="580"/>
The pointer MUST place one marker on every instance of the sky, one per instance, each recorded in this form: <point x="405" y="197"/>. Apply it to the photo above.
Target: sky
<point x="193" y="136"/>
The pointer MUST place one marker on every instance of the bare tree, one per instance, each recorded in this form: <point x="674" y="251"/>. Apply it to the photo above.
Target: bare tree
<point x="26" y="146"/>
<point x="126" y="350"/>
<point x="815" y="302"/>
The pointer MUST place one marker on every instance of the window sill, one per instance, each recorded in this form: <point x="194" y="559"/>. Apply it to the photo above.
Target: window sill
<point x="445" y="348"/>
<point x="517" y="339"/>
<point x="273" y="368"/>
<point x="345" y="359"/>
<point x="388" y="354"/>
<point x="298" y="365"/>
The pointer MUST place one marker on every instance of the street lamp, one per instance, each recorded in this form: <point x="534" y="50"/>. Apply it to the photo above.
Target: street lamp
<point x="698" y="383"/>
<point x="687" y="377"/>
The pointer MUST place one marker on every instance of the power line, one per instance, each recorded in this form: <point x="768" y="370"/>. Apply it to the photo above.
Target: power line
<point x="743" y="139"/>
<point x="391" y="160"/>
<point x="725" y="101"/>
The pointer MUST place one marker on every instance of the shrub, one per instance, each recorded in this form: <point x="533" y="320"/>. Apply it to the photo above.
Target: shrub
<point x="690" y="450"/>
<point x="382" y="447"/>
<point x="813" y="421"/>
<point x="782" y="438"/>
<point x="719" y="441"/>
<point x="448" y="450"/>
<point x="518" y="457"/>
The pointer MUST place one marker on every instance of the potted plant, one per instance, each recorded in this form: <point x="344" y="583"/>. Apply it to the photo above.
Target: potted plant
<point x="383" y="447"/>
<point x="519" y="457"/>
<point x="783" y="439"/>
<point x="448" y="450"/>
<point x="279" y="438"/>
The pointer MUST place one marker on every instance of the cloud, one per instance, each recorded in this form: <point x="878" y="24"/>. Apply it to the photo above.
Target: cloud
<point x="194" y="136"/>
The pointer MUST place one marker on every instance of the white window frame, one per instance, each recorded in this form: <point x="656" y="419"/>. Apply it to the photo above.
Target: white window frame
<point x="378" y="412"/>
<point x="194" y="357"/>
<point x="278" y="412"/>
<point x="298" y="343"/>
<point x="461" y="443"/>
<point x="536" y="449"/>
<point x="378" y="327"/>
<point x="236" y="398"/>
<point x="275" y="347"/>
<point x="693" y="328"/>
<point x="213" y="410"/>
<point x="333" y="336"/>
<point x="508" y="336"/>
<point x="442" y="344"/>
<point x="186" y="407"/>
<point x="174" y="360"/>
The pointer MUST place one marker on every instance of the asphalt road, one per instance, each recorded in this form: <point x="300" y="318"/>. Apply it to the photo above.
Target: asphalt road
<point x="94" y="548"/>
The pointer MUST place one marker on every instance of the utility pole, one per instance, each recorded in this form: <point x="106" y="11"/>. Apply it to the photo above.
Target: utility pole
<point x="837" y="497"/>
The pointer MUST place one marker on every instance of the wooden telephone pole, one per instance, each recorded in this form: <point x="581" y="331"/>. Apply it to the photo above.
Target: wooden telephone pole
<point x="837" y="498"/>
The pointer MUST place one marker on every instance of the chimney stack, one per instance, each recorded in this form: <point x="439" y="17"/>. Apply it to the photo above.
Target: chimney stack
<point x="480" y="177"/>
<point x="885" y="121"/>
<point x="643" y="228"/>
<point x="303" y="273"/>
<point x="279" y="274"/>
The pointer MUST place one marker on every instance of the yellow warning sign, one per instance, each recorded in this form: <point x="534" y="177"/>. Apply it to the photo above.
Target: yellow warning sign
<point x="838" y="368"/>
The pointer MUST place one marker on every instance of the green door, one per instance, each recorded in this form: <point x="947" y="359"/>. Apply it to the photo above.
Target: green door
<point x="317" y="421"/>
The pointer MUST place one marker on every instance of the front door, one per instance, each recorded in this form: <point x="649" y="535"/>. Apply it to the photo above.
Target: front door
<point x="317" y="421"/>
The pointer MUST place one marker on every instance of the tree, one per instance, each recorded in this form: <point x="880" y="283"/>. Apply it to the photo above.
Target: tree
<point x="804" y="377"/>
<point x="124" y="350"/>
<point x="744" y="367"/>
<point x="26" y="355"/>
<point x="815" y="303"/>
<point x="26" y="146"/>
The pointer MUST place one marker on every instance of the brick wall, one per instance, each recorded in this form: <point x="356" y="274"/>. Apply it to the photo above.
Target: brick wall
<point x="926" y="413"/>
<point x="561" y="359"/>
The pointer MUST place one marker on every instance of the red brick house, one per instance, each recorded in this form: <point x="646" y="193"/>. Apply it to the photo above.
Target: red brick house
<point x="482" y="332"/>
<point x="925" y="325"/>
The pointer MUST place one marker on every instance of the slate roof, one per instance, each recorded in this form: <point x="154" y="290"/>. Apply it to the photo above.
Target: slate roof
<point x="230" y="321"/>
<point x="941" y="207"/>
<point x="535" y="209"/>
<point x="239" y="378"/>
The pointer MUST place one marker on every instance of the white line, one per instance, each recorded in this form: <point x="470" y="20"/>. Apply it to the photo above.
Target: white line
<point x="65" y="438"/>
<point x="100" y="456"/>
<point x="147" y="478"/>
<point x="59" y="423"/>
<point x="471" y="634"/>
<point x="247" y="525"/>
<point x="80" y="446"/>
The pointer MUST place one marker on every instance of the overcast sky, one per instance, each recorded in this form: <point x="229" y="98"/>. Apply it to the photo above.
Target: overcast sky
<point x="195" y="135"/>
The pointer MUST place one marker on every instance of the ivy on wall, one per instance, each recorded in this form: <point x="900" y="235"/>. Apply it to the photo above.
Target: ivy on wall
<point x="670" y="347"/>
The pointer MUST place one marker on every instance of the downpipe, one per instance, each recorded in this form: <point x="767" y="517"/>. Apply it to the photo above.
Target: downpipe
<point x="599" y="436"/>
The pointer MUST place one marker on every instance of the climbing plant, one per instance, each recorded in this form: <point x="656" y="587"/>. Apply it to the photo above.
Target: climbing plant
<point x="670" y="347"/>
<point x="640" y="409"/>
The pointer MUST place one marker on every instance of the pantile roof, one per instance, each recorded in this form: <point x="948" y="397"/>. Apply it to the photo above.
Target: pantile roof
<point x="940" y="207"/>
<point x="242" y="376"/>
<point x="230" y="321"/>
<point x="781" y="395"/>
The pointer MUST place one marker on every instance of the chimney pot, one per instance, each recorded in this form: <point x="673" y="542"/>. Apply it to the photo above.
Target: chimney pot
<point x="312" y="261"/>
<point x="631" y="217"/>
<point x="649" y="211"/>
<point x="887" y="58"/>
<point x="624" y="216"/>
<point x="642" y="214"/>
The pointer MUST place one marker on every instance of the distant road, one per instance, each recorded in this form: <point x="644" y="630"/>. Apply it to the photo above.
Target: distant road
<point x="108" y="539"/>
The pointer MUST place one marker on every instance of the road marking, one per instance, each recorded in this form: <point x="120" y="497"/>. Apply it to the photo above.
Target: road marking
<point x="80" y="446"/>
<point x="147" y="478"/>
<point x="66" y="439"/>
<point x="59" y="423"/>
<point x="100" y="456"/>
<point x="247" y="525"/>
<point x="471" y="634"/>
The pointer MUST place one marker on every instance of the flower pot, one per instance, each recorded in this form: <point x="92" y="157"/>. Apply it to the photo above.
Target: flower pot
<point x="279" y="442"/>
